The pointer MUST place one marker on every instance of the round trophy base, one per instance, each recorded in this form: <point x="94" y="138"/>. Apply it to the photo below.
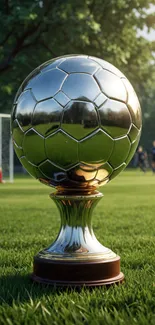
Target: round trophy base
<point x="77" y="273"/>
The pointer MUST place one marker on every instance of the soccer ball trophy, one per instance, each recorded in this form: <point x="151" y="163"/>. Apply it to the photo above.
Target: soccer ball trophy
<point x="76" y="123"/>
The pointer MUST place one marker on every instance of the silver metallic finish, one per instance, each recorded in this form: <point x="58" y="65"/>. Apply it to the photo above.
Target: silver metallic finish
<point x="76" y="121"/>
<point x="115" y="118"/>
<point x="75" y="124"/>
<point x="51" y="64"/>
<point x="16" y="97"/>
<point x="101" y="98"/>
<point x="47" y="117"/>
<point x="18" y="150"/>
<point x="107" y="66"/>
<point x="33" y="142"/>
<point x="24" y="109"/>
<point x="111" y="85"/>
<point x="79" y="64"/>
<point x="81" y="86"/>
<point x="133" y="104"/>
<point x="48" y="84"/>
<point x="79" y="119"/>
<point x="133" y="133"/>
<point x="76" y="239"/>
<point x="121" y="154"/>
<point x="117" y="170"/>
<point x="13" y="114"/>
<point x="61" y="98"/>
<point x="64" y="151"/>
<point x="29" y="167"/>
<point x="92" y="153"/>
<point x="32" y="169"/>
<point x="133" y="148"/>
<point x="29" y="81"/>
<point x="55" y="63"/>
<point x="17" y="133"/>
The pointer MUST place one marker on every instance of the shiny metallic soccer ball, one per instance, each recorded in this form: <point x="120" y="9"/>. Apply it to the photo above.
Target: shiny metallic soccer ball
<point x="76" y="122"/>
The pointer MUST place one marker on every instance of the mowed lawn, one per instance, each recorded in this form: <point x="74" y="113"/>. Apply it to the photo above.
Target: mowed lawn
<point x="124" y="220"/>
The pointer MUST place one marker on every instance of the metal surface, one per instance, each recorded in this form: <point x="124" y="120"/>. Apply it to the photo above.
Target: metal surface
<point x="76" y="239"/>
<point x="47" y="84"/>
<point x="24" y="109"/>
<point x="73" y="111"/>
<point x="115" y="118"/>
<point x="81" y="124"/>
<point x="76" y="123"/>
<point x="47" y="117"/>
<point x="76" y="258"/>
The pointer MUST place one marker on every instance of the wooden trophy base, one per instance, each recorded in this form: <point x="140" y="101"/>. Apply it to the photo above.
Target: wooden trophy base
<point x="68" y="273"/>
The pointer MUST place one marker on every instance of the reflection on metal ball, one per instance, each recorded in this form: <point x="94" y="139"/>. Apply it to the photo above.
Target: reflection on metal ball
<point x="76" y="122"/>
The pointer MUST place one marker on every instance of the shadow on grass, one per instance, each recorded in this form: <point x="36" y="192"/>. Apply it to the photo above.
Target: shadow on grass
<point x="21" y="288"/>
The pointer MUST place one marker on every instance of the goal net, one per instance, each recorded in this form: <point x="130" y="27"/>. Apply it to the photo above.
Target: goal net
<point x="6" y="148"/>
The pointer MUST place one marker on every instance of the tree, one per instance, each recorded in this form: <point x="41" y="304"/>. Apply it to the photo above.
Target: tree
<point x="35" y="31"/>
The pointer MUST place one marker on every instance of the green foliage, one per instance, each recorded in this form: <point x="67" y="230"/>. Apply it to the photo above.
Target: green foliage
<point x="35" y="31"/>
<point x="30" y="221"/>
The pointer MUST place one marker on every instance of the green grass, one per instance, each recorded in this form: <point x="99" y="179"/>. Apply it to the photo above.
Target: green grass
<point x="124" y="220"/>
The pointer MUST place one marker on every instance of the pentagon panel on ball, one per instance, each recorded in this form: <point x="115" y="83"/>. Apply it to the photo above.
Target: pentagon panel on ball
<point x="76" y="123"/>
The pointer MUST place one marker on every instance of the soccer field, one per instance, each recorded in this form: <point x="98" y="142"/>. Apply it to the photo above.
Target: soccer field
<point x="124" y="220"/>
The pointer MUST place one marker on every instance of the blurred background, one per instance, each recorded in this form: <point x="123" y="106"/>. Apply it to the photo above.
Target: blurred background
<point x="119" y="31"/>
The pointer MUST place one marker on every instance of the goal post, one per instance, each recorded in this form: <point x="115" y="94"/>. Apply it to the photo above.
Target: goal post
<point x="6" y="148"/>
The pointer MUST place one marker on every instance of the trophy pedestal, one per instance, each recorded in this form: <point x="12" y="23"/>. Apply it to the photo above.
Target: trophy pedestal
<point x="66" y="273"/>
<point x="76" y="258"/>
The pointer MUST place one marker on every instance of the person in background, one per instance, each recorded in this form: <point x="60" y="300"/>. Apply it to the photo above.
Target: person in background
<point x="1" y="176"/>
<point x="141" y="158"/>
<point x="153" y="157"/>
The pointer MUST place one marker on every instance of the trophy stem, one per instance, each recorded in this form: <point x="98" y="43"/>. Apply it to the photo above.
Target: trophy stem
<point x="76" y="257"/>
<point x="76" y="239"/>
